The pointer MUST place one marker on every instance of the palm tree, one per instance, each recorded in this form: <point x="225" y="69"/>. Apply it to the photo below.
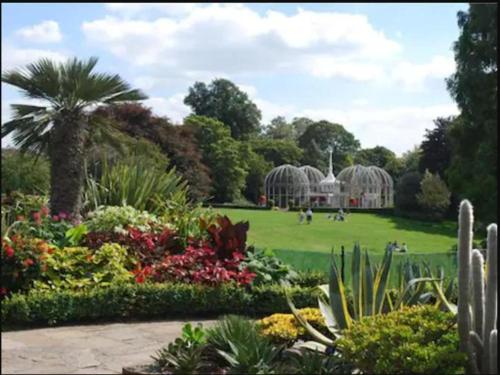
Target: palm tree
<point x="63" y="123"/>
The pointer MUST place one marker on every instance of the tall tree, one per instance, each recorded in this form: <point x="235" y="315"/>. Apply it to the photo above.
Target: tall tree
<point x="436" y="148"/>
<point x="319" y="136"/>
<point x="300" y="125"/>
<point x="177" y="142"/>
<point x="280" y="129"/>
<point x="222" y="154"/>
<point x="378" y="156"/>
<point x="63" y="124"/>
<point x="473" y="170"/>
<point x="278" y="151"/>
<point x="224" y="101"/>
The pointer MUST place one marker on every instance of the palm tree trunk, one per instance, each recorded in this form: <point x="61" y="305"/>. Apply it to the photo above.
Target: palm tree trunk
<point x="67" y="165"/>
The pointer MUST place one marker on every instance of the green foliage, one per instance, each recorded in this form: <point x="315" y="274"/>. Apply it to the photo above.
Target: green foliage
<point x="473" y="171"/>
<point x="267" y="267"/>
<point x="378" y="156"/>
<point x="415" y="340"/>
<point x="434" y="197"/>
<point x="225" y="102"/>
<point x="117" y="218"/>
<point x="137" y="184"/>
<point x="62" y="126"/>
<point x="176" y="142"/>
<point x="79" y="267"/>
<point x="147" y="301"/>
<point x="300" y="361"/>
<point x="277" y="151"/>
<point x="222" y="154"/>
<point x="185" y="354"/>
<point x="16" y="205"/>
<point x="257" y="168"/>
<point x="436" y="147"/>
<point x="405" y="197"/>
<point x="318" y="136"/>
<point x="280" y="129"/>
<point x="24" y="173"/>
<point x="238" y="341"/>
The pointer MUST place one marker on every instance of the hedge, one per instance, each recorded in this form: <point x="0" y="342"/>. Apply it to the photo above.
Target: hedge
<point x="381" y="211"/>
<point x="147" y="301"/>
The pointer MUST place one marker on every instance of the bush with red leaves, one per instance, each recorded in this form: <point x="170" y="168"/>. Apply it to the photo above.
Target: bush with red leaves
<point x="200" y="265"/>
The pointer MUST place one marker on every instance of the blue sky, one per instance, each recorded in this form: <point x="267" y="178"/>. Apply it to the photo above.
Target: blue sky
<point x="377" y="69"/>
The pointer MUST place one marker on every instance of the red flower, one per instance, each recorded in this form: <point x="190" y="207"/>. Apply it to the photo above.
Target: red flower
<point x="3" y="291"/>
<point x="55" y="217"/>
<point x="63" y="215"/>
<point x="44" y="211"/>
<point x="19" y="217"/>
<point x="37" y="217"/>
<point x="28" y="262"/>
<point x="9" y="251"/>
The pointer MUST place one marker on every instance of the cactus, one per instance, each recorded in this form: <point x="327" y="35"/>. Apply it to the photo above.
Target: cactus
<point x="477" y="298"/>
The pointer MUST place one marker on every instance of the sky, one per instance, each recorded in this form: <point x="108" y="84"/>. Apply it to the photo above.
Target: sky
<point x="377" y="69"/>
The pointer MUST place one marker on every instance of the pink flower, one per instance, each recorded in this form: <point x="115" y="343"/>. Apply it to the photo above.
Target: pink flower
<point x="9" y="251"/>
<point x="45" y="211"/>
<point x="55" y="217"/>
<point x="63" y="215"/>
<point x="37" y="217"/>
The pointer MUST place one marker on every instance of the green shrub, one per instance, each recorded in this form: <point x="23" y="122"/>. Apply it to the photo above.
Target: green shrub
<point x="117" y="218"/>
<point x="415" y="340"/>
<point x="80" y="267"/>
<point x="147" y="301"/>
<point x="136" y="183"/>
<point x="17" y="205"/>
<point x="21" y="173"/>
<point x="434" y="198"/>
<point x="267" y="267"/>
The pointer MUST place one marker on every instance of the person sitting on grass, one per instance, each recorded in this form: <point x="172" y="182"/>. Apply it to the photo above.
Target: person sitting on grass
<point x="404" y="248"/>
<point x="395" y="246"/>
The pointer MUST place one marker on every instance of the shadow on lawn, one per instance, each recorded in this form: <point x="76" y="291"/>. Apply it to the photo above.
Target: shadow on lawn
<point x="444" y="228"/>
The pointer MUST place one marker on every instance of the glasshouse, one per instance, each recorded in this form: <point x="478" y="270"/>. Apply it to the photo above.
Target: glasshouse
<point x="355" y="186"/>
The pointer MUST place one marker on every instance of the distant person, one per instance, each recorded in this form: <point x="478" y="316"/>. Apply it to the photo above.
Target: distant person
<point x="302" y="216"/>
<point x="388" y="246"/>
<point x="395" y="246"/>
<point x="309" y="215"/>
<point x="329" y="216"/>
<point x="404" y="248"/>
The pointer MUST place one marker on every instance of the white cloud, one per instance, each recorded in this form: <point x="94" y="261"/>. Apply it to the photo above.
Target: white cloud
<point x="232" y="38"/>
<point x="413" y="76"/>
<point x="14" y="57"/>
<point x="172" y="107"/>
<point x="44" y="32"/>
<point x="137" y="9"/>
<point x="398" y="128"/>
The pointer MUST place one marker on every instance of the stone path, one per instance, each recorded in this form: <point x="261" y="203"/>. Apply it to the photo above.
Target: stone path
<point x="88" y="349"/>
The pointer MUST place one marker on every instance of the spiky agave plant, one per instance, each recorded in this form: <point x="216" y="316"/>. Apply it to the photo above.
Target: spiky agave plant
<point x="369" y="292"/>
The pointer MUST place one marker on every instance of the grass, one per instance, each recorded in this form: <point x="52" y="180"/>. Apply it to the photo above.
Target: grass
<point x="281" y="230"/>
<point x="308" y="247"/>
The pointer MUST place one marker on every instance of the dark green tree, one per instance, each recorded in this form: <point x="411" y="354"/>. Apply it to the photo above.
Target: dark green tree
<point x="280" y="129"/>
<point x="277" y="152"/>
<point x="319" y="136"/>
<point x="62" y="125"/>
<point x="223" y="156"/>
<point x="436" y="148"/>
<point x="300" y="125"/>
<point x="378" y="156"/>
<point x="24" y="172"/>
<point x="473" y="171"/>
<point x="405" y="197"/>
<point x="224" y="101"/>
<point x="257" y="167"/>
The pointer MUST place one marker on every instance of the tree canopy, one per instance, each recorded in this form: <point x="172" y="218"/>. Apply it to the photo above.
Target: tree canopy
<point x="473" y="169"/>
<point x="224" y="101"/>
<point x="318" y="136"/>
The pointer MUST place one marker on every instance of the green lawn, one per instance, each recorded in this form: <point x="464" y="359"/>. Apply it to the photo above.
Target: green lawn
<point x="281" y="230"/>
<point x="307" y="247"/>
